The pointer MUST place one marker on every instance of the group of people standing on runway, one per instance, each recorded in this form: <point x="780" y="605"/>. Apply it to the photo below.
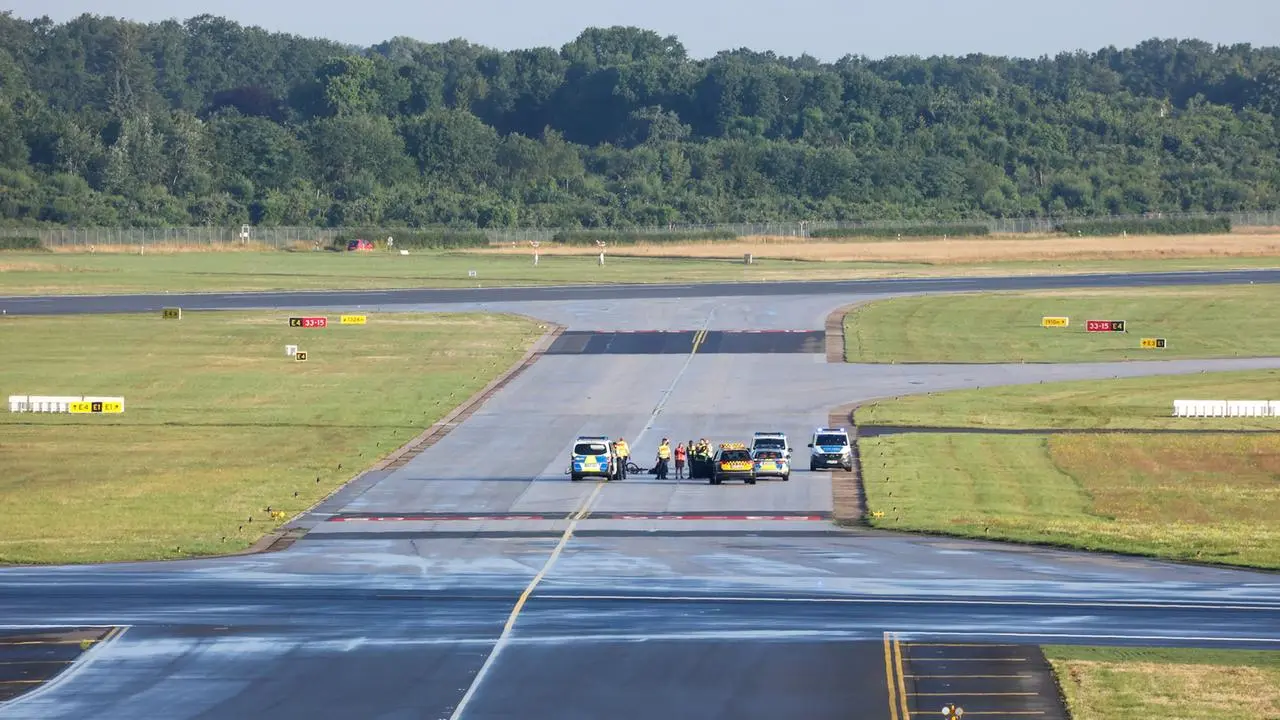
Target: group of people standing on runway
<point x="666" y="454"/>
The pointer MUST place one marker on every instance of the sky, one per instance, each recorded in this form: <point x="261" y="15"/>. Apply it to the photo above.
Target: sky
<point x="825" y="29"/>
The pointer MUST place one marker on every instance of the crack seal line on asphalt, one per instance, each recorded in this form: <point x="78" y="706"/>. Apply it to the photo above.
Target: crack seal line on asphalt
<point x="583" y="510"/>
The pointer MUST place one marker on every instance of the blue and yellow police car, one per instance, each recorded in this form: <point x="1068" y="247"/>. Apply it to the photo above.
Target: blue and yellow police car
<point x="593" y="457"/>
<point x="772" y="462"/>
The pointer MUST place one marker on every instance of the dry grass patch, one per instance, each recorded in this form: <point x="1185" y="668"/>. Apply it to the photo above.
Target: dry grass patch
<point x="193" y="271"/>
<point x="1144" y="683"/>
<point x="1019" y="248"/>
<point x="1210" y="499"/>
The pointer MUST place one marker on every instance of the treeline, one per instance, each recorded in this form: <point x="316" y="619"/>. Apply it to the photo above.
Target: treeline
<point x="206" y="122"/>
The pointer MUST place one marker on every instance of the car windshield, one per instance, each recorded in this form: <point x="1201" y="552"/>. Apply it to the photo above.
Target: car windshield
<point x="832" y="440"/>
<point x="590" y="448"/>
<point x="732" y="455"/>
<point x="771" y="442"/>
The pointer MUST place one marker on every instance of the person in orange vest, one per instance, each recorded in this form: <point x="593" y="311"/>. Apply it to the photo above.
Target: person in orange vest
<point x="680" y="456"/>
<point x="664" y="456"/>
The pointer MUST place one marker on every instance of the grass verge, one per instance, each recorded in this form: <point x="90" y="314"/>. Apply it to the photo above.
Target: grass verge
<point x="157" y="271"/>
<point x="1219" y="321"/>
<point x="1141" y="403"/>
<point x="1112" y="683"/>
<point x="1203" y="497"/>
<point x="218" y="423"/>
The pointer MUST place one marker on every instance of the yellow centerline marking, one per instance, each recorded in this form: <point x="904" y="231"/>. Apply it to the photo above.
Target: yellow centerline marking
<point x="902" y="682"/>
<point x="888" y="678"/>
<point x="35" y="662"/>
<point x="20" y="682"/>
<point x="45" y="642"/>
<point x="698" y="337"/>
<point x="581" y="512"/>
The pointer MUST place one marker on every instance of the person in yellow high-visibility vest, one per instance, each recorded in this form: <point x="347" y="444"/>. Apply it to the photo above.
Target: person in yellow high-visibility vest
<point x="623" y="452"/>
<point x="664" y="457"/>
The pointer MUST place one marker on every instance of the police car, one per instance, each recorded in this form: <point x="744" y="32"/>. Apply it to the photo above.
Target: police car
<point x="593" y="457"/>
<point x="830" y="447"/>
<point x="771" y="462"/>
<point x="733" y="461"/>
<point x="771" y="441"/>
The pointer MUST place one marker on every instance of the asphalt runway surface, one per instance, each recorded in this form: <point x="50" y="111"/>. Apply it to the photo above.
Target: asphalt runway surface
<point x="463" y="584"/>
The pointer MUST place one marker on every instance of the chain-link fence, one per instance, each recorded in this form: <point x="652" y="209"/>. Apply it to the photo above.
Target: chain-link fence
<point x="312" y="237"/>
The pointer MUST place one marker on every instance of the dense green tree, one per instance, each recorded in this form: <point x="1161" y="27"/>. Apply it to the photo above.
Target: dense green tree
<point x="206" y="121"/>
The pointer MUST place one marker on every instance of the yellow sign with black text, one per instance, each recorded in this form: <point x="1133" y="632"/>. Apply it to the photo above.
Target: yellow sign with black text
<point x="95" y="407"/>
<point x="354" y="319"/>
<point x="1055" y="322"/>
<point x="300" y="356"/>
<point x="171" y="313"/>
<point x="1153" y="343"/>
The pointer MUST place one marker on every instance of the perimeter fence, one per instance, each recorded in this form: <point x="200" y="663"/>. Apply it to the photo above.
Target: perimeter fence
<point x="310" y="238"/>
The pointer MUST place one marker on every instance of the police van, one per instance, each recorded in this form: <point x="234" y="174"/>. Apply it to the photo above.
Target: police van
<point x="593" y="457"/>
<point x="830" y="447"/>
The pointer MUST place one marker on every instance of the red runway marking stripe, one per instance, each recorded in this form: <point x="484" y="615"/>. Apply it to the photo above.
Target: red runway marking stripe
<point x="590" y="516"/>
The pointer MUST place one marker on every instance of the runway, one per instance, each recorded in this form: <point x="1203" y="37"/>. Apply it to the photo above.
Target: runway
<point x="461" y="585"/>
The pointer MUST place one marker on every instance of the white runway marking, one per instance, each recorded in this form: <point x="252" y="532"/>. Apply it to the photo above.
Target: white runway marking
<point x="1126" y="604"/>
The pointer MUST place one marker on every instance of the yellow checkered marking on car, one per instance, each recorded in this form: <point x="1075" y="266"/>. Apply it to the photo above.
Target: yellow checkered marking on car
<point x="735" y="465"/>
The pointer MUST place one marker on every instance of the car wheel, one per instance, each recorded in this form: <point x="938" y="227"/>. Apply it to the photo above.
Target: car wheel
<point x="813" y="466"/>
<point x="575" y="477"/>
<point x="751" y="481"/>
<point x="786" y="477"/>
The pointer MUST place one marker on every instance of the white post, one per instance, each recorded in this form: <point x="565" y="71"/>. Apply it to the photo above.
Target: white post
<point x="534" y="243"/>
<point x="601" y="244"/>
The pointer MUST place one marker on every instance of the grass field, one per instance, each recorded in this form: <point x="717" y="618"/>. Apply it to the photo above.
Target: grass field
<point x="158" y="271"/>
<point x="1203" y="497"/>
<point x="1144" y="403"/>
<point x="1220" y="321"/>
<point x="218" y="423"/>
<point x="1145" y="683"/>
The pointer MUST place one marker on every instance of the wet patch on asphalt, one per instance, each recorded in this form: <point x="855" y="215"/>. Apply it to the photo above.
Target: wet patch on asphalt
<point x="30" y="658"/>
